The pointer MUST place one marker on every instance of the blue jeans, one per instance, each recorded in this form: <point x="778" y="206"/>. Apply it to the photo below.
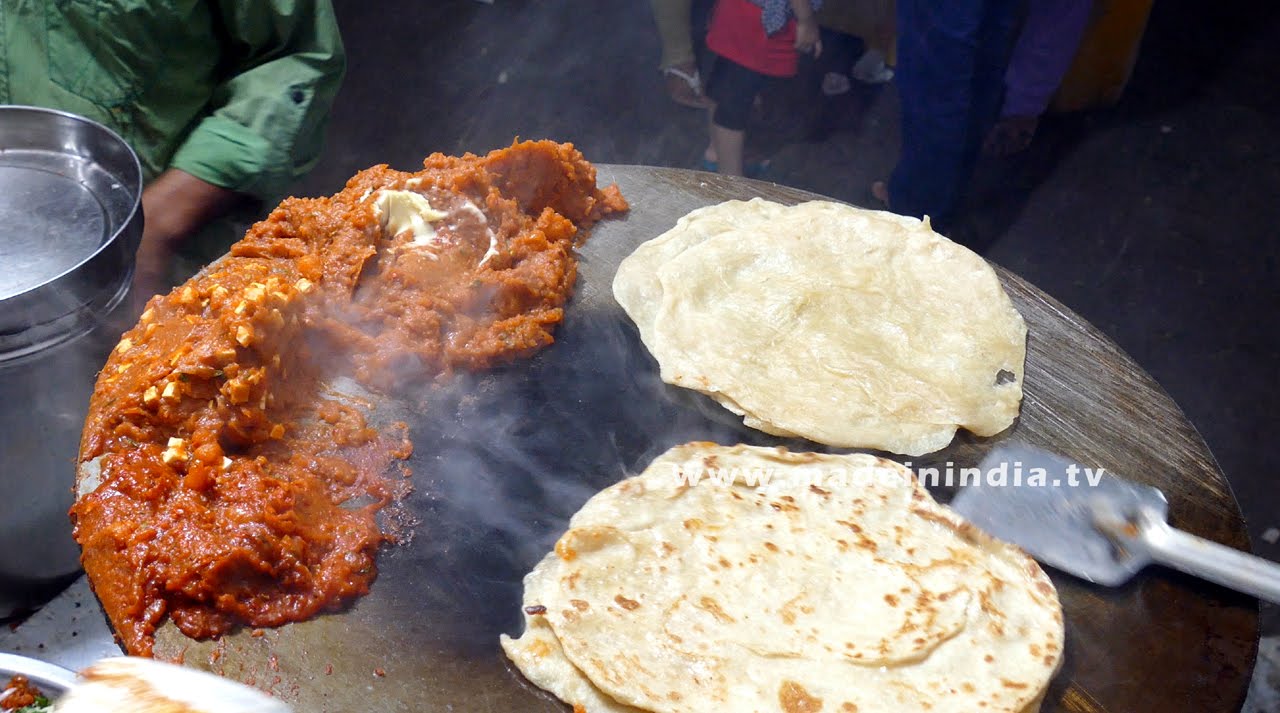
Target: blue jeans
<point x="952" y="56"/>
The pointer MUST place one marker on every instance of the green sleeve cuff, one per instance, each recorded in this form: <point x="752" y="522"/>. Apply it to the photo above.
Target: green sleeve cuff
<point x="232" y="156"/>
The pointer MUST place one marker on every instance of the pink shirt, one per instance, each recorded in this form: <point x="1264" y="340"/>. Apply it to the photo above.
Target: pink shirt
<point x="737" y="34"/>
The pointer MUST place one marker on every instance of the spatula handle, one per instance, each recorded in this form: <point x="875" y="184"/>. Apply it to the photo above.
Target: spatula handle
<point x="1212" y="561"/>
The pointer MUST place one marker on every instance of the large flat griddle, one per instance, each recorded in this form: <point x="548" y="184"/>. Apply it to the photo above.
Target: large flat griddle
<point x="503" y="459"/>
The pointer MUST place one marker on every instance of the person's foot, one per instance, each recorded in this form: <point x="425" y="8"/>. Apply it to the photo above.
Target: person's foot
<point x="871" y="68"/>
<point x="880" y="191"/>
<point x="684" y="86"/>
<point x="1010" y="135"/>
<point x="751" y="168"/>
<point x="834" y="84"/>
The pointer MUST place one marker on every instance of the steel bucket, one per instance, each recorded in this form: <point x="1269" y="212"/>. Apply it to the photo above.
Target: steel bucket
<point x="70" y="223"/>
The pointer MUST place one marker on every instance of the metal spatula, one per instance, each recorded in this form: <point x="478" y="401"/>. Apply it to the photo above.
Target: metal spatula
<point x="1097" y="526"/>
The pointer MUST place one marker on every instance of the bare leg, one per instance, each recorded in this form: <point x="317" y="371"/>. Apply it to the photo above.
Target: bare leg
<point x="679" y="65"/>
<point x="675" y="30"/>
<point x="727" y="144"/>
<point x="710" y="153"/>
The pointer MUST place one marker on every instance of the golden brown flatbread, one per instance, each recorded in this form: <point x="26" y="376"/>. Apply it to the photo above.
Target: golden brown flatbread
<point x="839" y="585"/>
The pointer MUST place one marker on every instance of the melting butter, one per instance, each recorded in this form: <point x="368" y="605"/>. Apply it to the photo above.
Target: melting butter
<point x="471" y="208"/>
<point x="400" y="211"/>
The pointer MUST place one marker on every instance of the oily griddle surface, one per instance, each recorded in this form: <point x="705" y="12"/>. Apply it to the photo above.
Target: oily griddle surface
<point x="503" y="459"/>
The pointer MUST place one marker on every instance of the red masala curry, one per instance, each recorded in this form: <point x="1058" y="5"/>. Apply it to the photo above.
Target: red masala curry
<point x="18" y="693"/>
<point x="232" y="486"/>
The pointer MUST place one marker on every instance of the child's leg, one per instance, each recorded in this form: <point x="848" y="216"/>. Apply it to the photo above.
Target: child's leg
<point x="728" y="146"/>
<point x="734" y="88"/>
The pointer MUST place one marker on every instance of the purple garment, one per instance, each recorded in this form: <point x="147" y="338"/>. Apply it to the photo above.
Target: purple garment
<point x="1043" y="53"/>
<point x="952" y="58"/>
<point x="776" y="13"/>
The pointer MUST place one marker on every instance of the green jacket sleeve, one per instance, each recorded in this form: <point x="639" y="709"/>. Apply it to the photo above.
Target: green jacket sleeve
<point x="265" y="124"/>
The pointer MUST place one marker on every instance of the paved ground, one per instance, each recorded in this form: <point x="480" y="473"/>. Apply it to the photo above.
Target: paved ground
<point x="1154" y="219"/>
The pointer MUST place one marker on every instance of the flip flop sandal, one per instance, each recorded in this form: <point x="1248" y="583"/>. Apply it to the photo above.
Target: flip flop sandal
<point x="686" y="89"/>
<point x="834" y="84"/>
<point x="871" y="68"/>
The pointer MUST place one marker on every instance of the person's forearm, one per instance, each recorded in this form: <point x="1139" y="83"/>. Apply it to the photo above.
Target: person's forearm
<point x="175" y="205"/>
<point x="808" y="36"/>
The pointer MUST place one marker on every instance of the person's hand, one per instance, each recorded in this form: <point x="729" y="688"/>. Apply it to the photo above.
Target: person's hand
<point x="808" y="36"/>
<point x="174" y="206"/>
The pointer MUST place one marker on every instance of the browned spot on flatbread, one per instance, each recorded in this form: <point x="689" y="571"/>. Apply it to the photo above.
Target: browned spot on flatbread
<point x="628" y="604"/>
<point x="788" y="611"/>
<point x="794" y="699"/>
<point x="579" y="604"/>
<point x="1017" y="685"/>
<point x="712" y="607"/>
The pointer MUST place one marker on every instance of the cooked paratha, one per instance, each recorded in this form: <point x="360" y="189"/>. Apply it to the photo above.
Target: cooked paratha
<point x="839" y="586"/>
<point x="845" y="326"/>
